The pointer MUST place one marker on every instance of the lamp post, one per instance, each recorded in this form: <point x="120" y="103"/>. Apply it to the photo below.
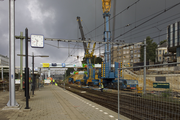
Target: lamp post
<point x="33" y="85"/>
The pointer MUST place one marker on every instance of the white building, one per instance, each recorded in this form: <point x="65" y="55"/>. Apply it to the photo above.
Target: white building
<point x="4" y="60"/>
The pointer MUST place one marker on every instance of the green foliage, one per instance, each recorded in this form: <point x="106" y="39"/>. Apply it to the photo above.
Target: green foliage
<point x="69" y="70"/>
<point x="150" y="50"/>
<point x="161" y="42"/>
<point x="166" y="93"/>
<point x="94" y="60"/>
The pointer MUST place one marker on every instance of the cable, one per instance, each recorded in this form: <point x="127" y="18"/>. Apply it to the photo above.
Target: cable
<point x="114" y="16"/>
<point x="158" y="24"/>
<point x="133" y="22"/>
<point x="151" y="27"/>
<point x="70" y="53"/>
<point x="158" y="36"/>
<point x="61" y="47"/>
<point x="148" y="20"/>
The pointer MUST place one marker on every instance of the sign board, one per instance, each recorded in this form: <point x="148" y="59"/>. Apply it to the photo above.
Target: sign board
<point x="63" y="65"/>
<point x="17" y="81"/>
<point x="160" y="85"/>
<point x="161" y="78"/>
<point x="54" y="64"/>
<point x="45" y="64"/>
<point x="84" y="65"/>
<point x="47" y="81"/>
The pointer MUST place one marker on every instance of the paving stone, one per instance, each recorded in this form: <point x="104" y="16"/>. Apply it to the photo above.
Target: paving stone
<point x="55" y="103"/>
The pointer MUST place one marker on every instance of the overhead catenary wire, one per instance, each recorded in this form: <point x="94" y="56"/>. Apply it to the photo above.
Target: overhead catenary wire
<point x="155" y="16"/>
<point x="113" y="16"/>
<point x="155" y="25"/>
<point x="132" y="22"/>
<point x="148" y="20"/>
<point x="70" y="53"/>
<point x="125" y="38"/>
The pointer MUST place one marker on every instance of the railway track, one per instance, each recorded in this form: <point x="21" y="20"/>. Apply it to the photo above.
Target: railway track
<point x="131" y="106"/>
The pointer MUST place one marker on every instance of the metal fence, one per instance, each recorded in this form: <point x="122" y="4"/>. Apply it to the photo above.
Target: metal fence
<point x="157" y="95"/>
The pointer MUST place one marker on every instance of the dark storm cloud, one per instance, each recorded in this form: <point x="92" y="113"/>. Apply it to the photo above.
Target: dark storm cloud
<point x="57" y="19"/>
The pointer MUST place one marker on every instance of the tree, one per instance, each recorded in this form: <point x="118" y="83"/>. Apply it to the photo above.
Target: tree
<point x="69" y="70"/>
<point x="161" y="42"/>
<point x="94" y="60"/>
<point x="150" y="50"/>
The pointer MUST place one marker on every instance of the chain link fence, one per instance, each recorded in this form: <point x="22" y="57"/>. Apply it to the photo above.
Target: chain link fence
<point x="157" y="97"/>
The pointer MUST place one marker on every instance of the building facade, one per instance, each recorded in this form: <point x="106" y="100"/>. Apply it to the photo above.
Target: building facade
<point x="173" y="36"/>
<point x="160" y="52"/>
<point x="128" y="54"/>
<point x="4" y="60"/>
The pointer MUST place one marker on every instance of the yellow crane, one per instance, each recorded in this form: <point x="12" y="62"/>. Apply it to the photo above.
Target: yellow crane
<point x="90" y="55"/>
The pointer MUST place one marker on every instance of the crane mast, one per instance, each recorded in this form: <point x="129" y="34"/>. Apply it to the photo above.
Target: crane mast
<point x="106" y="5"/>
<point x="82" y="33"/>
<point x="87" y="54"/>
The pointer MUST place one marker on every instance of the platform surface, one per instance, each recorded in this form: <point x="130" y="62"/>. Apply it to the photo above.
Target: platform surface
<point x="55" y="103"/>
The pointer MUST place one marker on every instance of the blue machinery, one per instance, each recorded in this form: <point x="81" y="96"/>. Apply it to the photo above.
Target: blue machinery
<point x="105" y="74"/>
<point x="89" y="77"/>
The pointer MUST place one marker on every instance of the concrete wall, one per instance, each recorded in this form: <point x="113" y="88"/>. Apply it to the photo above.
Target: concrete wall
<point x="173" y="79"/>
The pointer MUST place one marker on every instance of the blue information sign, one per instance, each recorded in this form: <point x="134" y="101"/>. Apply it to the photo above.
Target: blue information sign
<point x="54" y="64"/>
<point x="63" y="65"/>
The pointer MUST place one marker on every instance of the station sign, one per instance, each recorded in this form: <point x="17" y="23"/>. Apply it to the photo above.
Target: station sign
<point x="53" y="64"/>
<point x="160" y="85"/>
<point x="45" y="64"/>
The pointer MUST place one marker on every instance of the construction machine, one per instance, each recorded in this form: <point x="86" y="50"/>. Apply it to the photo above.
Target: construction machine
<point x="87" y="55"/>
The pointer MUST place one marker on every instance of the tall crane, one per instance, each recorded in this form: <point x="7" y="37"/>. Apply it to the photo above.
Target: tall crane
<point x="87" y="54"/>
<point x="106" y="6"/>
<point x="82" y="33"/>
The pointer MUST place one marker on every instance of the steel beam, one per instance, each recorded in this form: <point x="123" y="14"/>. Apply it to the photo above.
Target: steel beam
<point x="79" y="41"/>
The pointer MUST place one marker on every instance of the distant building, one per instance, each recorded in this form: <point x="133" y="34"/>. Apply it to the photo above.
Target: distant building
<point x="4" y="60"/>
<point x="173" y="37"/>
<point x="162" y="53"/>
<point x="128" y="54"/>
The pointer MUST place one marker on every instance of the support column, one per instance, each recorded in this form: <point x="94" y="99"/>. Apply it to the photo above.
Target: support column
<point x="2" y="78"/>
<point x="26" y="70"/>
<point x="21" y="60"/>
<point x="33" y="80"/>
<point x="12" y="102"/>
<point x="178" y="55"/>
<point x="144" y="66"/>
<point x="2" y="74"/>
<point x="49" y="72"/>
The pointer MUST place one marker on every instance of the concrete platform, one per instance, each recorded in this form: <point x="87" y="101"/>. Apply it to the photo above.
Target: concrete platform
<point x="54" y="103"/>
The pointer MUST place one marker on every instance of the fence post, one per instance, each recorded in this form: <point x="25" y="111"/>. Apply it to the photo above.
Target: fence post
<point x="144" y="66"/>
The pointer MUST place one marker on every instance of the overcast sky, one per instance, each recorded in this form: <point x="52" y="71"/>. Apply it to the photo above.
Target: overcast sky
<point x="57" y="19"/>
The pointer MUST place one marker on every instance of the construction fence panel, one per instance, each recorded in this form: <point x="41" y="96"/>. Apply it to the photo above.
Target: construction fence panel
<point x="160" y="100"/>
